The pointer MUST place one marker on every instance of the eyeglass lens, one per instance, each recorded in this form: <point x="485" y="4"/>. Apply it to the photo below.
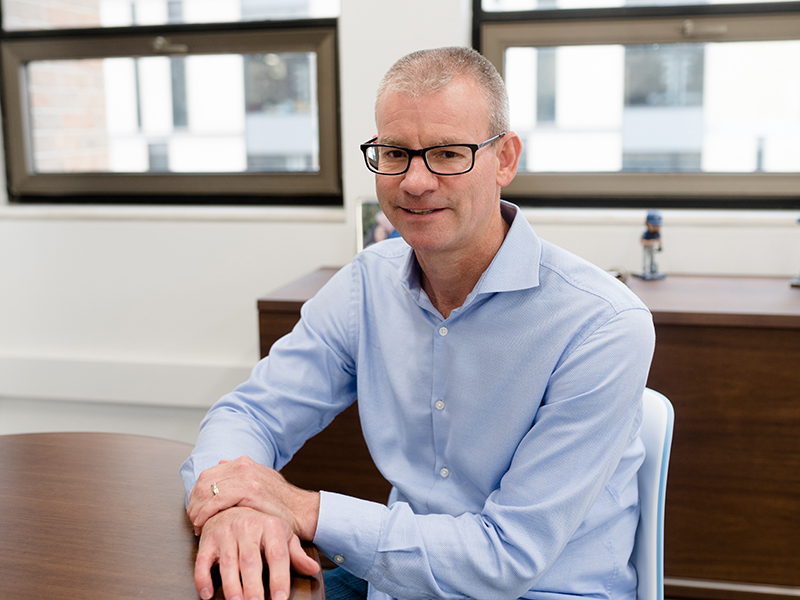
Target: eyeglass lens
<point x="445" y="160"/>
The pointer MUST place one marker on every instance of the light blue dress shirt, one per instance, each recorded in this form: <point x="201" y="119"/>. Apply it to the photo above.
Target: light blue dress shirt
<point x="509" y="430"/>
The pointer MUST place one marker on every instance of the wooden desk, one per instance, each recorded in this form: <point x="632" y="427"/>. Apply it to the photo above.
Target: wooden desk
<point x="95" y="515"/>
<point x="728" y="357"/>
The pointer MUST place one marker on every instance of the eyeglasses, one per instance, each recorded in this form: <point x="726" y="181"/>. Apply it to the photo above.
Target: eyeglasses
<point x="448" y="159"/>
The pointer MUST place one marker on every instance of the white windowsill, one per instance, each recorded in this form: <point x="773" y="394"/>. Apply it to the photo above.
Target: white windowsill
<point x="550" y="216"/>
<point x="684" y="217"/>
<point x="80" y="212"/>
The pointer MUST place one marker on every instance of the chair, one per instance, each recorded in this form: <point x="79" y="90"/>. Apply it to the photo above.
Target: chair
<point x="648" y="549"/>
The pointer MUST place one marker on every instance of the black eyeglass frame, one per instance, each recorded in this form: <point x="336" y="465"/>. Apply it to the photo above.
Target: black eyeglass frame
<point x="422" y="152"/>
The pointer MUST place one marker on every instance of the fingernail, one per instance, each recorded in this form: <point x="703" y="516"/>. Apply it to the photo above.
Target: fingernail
<point x="206" y="594"/>
<point x="279" y="596"/>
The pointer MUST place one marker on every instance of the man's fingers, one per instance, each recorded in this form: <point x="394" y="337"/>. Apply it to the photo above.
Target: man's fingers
<point x="250" y="566"/>
<point x="202" y="512"/>
<point x="220" y="487"/>
<point x="200" y="495"/>
<point x="237" y="539"/>
<point x="301" y="562"/>
<point x="276" y="553"/>
<point x="229" y="574"/>
<point x="202" y="572"/>
<point x="204" y="504"/>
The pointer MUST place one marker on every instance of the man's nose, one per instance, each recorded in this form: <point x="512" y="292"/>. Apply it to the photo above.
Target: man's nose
<point x="418" y="179"/>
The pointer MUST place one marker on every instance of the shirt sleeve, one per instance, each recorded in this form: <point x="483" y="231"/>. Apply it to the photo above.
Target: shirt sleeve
<point x="581" y="451"/>
<point x="291" y="395"/>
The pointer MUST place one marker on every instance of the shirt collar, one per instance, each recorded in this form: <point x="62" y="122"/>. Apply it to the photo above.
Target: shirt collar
<point x="515" y="266"/>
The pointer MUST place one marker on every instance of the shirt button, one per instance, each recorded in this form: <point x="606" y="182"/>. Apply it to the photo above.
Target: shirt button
<point x="442" y="331"/>
<point x="445" y="472"/>
<point x="439" y="405"/>
<point x="338" y="558"/>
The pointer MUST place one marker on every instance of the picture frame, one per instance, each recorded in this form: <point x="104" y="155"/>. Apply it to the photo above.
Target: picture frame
<point x="371" y="225"/>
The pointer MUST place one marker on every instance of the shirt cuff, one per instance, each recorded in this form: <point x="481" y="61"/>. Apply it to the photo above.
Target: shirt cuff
<point x="348" y="530"/>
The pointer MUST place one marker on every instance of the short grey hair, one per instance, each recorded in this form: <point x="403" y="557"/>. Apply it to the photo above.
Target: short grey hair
<point x="429" y="71"/>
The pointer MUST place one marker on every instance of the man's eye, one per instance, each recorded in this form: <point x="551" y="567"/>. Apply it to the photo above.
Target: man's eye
<point x="448" y="154"/>
<point x="394" y="154"/>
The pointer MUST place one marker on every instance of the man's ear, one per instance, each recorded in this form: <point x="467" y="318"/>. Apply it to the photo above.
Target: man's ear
<point x="508" y="153"/>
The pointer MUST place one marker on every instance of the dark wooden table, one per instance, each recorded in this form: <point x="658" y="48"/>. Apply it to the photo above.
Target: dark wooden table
<point x="728" y="357"/>
<point x="97" y="515"/>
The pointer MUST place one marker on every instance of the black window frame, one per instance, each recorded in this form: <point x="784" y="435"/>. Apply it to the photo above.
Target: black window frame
<point x="320" y="188"/>
<point x="771" y="191"/>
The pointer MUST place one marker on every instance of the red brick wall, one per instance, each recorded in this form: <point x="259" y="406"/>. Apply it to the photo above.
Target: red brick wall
<point x="66" y="98"/>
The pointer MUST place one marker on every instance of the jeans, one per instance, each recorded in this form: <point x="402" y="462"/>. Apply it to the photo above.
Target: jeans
<point x="341" y="585"/>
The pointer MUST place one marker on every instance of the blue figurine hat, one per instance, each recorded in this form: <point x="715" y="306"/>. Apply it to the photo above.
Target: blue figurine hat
<point x="654" y="218"/>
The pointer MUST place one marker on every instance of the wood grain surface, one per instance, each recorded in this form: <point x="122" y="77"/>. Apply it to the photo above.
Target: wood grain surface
<point x="96" y="515"/>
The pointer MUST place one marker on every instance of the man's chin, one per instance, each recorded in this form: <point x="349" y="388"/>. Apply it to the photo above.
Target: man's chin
<point x="424" y="242"/>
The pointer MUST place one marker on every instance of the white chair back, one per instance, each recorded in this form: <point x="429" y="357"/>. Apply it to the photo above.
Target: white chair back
<point x="648" y="550"/>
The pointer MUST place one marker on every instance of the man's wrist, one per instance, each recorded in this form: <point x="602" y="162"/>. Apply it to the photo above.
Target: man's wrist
<point x="307" y="514"/>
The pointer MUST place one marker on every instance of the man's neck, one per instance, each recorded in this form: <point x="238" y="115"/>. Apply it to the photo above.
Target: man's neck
<point x="449" y="279"/>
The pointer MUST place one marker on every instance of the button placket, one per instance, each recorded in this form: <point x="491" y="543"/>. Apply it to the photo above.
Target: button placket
<point x="442" y="350"/>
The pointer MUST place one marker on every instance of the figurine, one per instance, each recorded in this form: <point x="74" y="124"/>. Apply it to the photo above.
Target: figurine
<point x="651" y="243"/>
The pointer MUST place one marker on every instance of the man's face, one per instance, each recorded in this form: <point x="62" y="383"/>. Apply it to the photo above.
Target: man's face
<point x="435" y="213"/>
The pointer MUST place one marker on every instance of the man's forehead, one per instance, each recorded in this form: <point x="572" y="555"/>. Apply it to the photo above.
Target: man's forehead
<point x="458" y="86"/>
<point x="454" y="115"/>
<point x="405" y="141"/>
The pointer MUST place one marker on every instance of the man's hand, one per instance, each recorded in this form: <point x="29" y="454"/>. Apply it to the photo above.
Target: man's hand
<point x="255" y="512"/>
<point x="243" y="482"/>
<point x="237" y="539"/>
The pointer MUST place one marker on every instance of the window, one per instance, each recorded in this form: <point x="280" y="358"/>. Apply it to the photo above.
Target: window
<point x="169" y="101"/>
<point x="631" y="103"/>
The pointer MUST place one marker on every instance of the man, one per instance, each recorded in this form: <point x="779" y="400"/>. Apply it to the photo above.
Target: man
<point x="499" y="381"/>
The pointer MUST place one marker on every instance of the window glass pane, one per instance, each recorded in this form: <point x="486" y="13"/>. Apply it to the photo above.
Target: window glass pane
<point x="689" y="107"/>
<point x="45" y="14"/>
<point x="514" y="5"/>
<point x="198" y="113"/>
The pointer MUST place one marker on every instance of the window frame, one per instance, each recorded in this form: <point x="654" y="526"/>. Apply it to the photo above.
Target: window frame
<point x="320" y="188"/>
<point x="493" y="32"/>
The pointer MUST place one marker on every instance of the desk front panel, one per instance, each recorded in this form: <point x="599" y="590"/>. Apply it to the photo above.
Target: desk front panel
<point x="733" y="492"/>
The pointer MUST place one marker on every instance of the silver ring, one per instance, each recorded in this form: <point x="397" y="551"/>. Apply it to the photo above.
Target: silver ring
<point x="214" y="489"/>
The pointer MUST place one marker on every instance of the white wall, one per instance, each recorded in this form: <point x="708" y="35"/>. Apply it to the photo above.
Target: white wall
<point x="144" y="306"/>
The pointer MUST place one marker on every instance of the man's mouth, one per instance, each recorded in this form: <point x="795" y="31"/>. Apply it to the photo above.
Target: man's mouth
<point x="426" y="211"/>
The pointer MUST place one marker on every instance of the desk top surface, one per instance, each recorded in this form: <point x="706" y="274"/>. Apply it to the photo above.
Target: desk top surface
<point x="95" y="515"/>
<point x="731" y="301"/>
<point x="676" y="299"/>
<point x="292" y="295"/>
